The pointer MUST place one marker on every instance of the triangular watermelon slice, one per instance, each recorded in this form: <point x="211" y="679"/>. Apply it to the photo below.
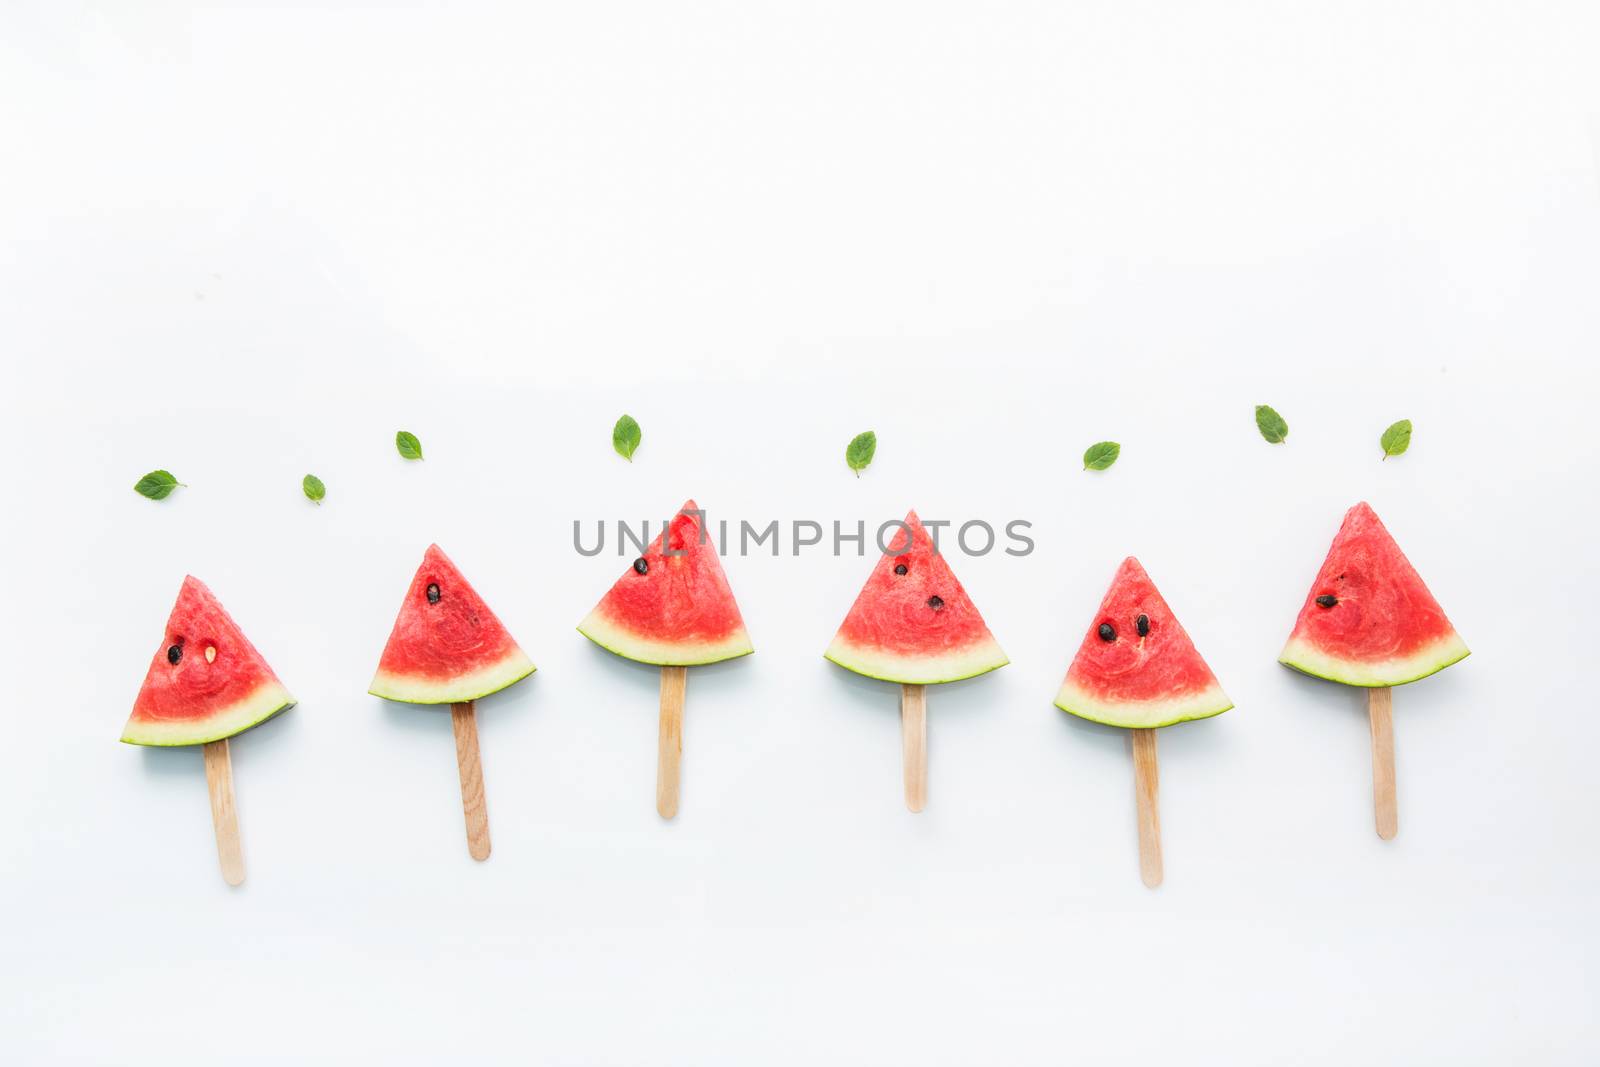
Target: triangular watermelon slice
<point x="447" y="647"/>
<point x="912" y="622"/>
<point x="672" y="607"/>
<point x="1137" y="667"/>
<point x="1369" y="620"/>
<point x="206" y="681"/>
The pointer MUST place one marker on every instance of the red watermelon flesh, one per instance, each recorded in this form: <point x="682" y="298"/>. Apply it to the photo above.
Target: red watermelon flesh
<point x="672" y="609"/>
<point x="912" y="622"/>
<point x="447" y="647"/>
<point x="1369" y="620"/>
<point x="206" y="680"/>
<point x="1124" y="678"/>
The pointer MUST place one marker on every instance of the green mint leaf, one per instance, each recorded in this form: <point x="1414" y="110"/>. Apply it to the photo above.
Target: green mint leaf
<point x="625" y="437"/>
<point x="313" y="487"/>
<point x="1100" y="456"/>
<point x="859" y="453"/>
<point x="1396" y="439"/>
<point x="1271" y="425"/>
<point x="406" y="443"/>
<point x="157" y="485"/>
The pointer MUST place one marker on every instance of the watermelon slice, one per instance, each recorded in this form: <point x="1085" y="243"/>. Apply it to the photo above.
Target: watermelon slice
<point x="1368" y="619"/>
<point x="206" y="681"/>
<point x="912" y="622"/>
<point x="447" y="647"/>
<point x="674" y="610"/>
<point x="1137" y="667"/>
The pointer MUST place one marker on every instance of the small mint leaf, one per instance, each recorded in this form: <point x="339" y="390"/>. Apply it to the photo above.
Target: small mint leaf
<point x="858" y="454"/>
<point x="157" y="485"/>
<point x="1100" y="456"/>
<point x="406" y="443"/>
<point x="1270" y="423"/>
<point x="625" y="437"/>
<point x="313" y="488"/>
<point x="1396" y="439"/>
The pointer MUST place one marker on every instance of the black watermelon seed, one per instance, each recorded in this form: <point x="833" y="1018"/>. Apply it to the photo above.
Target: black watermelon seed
<point x="641" y="565"/>
<point x="1107" y="632"/>
<point x="433" y="592"/>
<point x="1327" y="600"/>
<point x="901" y="568"/>
<point x="1142" y="623"/>
<point x="936" y="602"/>
<point x="174" y="654"/>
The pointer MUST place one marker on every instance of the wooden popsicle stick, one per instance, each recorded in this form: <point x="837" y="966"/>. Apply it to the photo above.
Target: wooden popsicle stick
<point x="1380" y="709"/>
<point x="914" y="744"/>
<point x="464" y="721"/>
<point x="224" y="813"/>
<point x="1147" y="790"/>
<point x="669" y="744"/>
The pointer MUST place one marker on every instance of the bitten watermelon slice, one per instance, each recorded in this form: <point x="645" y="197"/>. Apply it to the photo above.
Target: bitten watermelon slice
<point x="1369" y="620"/>
<point x="912" y="622"/>
<point x="447" y="647"/>
<point x="206" y="681"/>
<point x="672" y="609"/>
<point x="1137" y="667"/>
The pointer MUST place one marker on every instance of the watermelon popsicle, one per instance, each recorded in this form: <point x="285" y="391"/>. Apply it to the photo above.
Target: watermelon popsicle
<point x="207" y="683"/>
<point x="914" y="624"/>
<point x="447" y="647"/>
<point x="1370" y="621"/>
<point x="672" y="608"/>
<point x="1137" y="668"/>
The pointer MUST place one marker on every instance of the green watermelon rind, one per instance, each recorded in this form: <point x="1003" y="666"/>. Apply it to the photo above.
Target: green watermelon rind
<point x="268" y="699"/>
<point x="512" y="668"/>
<point x="979" y="658"/>
<point x="641" y="649"/>
<point x="1205" y="704"/>
<point x="1303" y="657"/>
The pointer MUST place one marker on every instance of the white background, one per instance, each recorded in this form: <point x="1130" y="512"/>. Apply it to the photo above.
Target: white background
<point x="245" y="245"/>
